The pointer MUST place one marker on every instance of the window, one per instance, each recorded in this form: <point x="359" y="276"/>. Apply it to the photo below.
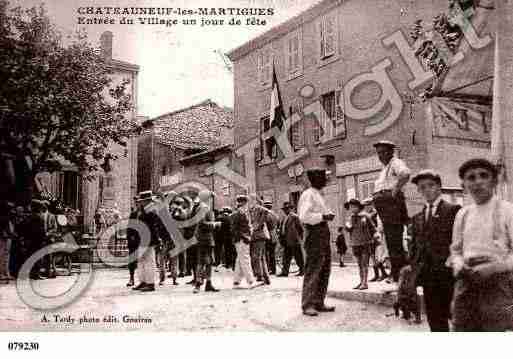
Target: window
<point x="294" y="54"/>
<point x="296" y="133"/>
<point x="268" y="148"/>
<point x="464" y="124"/>
<point x="332" y="119"/>
<point x="264" y="66"/>
<point x="328" y="36"/>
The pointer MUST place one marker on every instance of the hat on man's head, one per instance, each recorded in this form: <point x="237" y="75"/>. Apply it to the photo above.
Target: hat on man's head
<point x="353" y="201"/>
<point x="286" y="205"/>
<point x="478" y="163"/>
<point x="242" y="198"/>
<point x="145" y="196"/>
<point x="427" y="174"/>
<point x="385" y="143"/>
<point x="226" y="209"/>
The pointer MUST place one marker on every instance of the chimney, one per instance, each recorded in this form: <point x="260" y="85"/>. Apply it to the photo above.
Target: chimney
<point x="106" y="45"/>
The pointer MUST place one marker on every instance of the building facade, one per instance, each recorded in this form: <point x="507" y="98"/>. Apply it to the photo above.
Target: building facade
<point x="115" y="185"/>
<point x="346" y="81"/>
<point x="168" y="138"/>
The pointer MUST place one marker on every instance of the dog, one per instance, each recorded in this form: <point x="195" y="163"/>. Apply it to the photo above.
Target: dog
<point x="408" y="301"/>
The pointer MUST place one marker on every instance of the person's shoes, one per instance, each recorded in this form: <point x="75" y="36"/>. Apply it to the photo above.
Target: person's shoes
<point x="310" y="312"/>
<point x="382" y="278"/>
<point x="255" y="284"/>
<point x="325" y="309"/>
<point x="260" y="279"/>
<point x="175" y="282"/>
<point x="267" y="281"/>
<point x="36" y="277"/>
<point x="236" y="285"/>
<point x="193" y="281"/>
<point x="130" y="283"/>
<point x="342" y="265"/>
<point x="300" y="274"/>
<point x="374" y="279"/>
<point x="181" y="275"/>
<point x="196" y="289"/>
<point x="358" y="286"/>
<point x="140" y="286"/>
<point x="210" y="288"/>
<point x="148" y="288"/>
<point x="52" y="275"/>
<point x="161" y="282"/>
<point x="282" y="275"/>
<point x="363" y="287"/>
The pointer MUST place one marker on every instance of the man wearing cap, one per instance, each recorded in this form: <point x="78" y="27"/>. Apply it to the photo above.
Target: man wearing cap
<point x="315" y="215"/>
<point x="146" y="249"/>
<point x="291" y="235"/>
<point x="482" y="254"/>
<point x="270" y="246"/>
<point x="241" y="230"/>
<point x="205" y="236"/>
<point x="431" y="233"/>
<point x="225" y="236"/>
<point x="390" y="202"/>
<point x="263" y="222"/>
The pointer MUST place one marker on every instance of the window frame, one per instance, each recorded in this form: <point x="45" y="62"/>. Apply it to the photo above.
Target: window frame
<point x="265" y="68"/>
<point x="333" y="55"/>
<point x="297" y="70"/>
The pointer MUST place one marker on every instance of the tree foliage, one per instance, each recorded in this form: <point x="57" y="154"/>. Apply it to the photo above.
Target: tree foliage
<point x="57" y="102"/>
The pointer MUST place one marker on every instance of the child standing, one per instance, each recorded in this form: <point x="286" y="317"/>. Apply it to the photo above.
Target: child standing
<point x="341" y="245"/>
<point x="362" y="237"/>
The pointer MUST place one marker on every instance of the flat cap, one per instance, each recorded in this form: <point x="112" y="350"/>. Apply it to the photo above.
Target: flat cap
<point x="353" y="201"/>
<point x="427" y="174"/>
<point x="242" y="198"/>
<point x="385" y="143"/>
<point x="286" y="205"/>
<point x="226" y="209"/>
<point x="316" y="170"/>
<point x="477" y="163"/>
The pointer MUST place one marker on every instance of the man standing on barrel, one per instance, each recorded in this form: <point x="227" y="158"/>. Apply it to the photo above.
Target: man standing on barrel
<point x="390" y="203"/>
<point x="315" y="215"/>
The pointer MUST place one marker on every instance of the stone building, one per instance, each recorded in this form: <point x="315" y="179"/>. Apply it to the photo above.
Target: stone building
<point x="116" y="184"/>
<point x="347" y="73"/>
<point x="168" y="138"/>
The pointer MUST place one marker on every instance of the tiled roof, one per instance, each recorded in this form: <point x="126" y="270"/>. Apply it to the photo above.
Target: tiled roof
<point x="198" y="126"/>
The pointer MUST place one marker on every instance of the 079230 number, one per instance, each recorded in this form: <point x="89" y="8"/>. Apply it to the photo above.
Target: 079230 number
<point x="19" y="346"/>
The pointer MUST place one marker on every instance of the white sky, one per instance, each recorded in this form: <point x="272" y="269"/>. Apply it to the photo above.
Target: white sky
<point x="178" y="65"/>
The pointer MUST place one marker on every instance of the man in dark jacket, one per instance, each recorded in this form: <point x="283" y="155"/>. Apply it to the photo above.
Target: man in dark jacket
<point x="225" y="235"/>
<point x="291" y="235"/>
<point x="206" y="243"/>
<point x="430" y="248"/>
<point x="241" y="231"/>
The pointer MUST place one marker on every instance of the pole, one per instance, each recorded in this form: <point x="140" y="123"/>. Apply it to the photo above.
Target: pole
<point x="502" y="122"/>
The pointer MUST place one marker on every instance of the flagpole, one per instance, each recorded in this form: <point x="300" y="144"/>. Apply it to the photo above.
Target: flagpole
<point x="502" y="121"/>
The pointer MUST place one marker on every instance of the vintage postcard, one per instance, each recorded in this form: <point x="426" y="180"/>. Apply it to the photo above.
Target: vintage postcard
<point x="255" y="165"/>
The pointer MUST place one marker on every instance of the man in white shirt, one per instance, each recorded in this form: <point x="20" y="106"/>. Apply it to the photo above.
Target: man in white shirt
<point x="390" y="203"/>
<point x="482" y="254"/>
<point x="315" y="215"/>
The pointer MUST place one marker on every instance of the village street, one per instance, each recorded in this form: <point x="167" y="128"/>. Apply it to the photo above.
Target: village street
<point x="176" y="308"/>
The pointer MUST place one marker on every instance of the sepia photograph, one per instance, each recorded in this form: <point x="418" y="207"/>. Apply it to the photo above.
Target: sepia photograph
<point x="263" y="166"/>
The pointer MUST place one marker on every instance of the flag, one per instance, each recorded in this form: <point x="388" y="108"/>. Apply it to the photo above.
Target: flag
<point x="276" y="116"/>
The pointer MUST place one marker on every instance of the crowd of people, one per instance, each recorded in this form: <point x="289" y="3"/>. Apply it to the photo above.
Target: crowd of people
<point x="242" y="239"/>
<point x="24" y="231"/>
<point x="461" y="256"/>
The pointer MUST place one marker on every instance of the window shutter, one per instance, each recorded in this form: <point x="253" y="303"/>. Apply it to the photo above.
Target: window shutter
<point x="340" y="120"/>
<point x="330" y="36"/>
<point x="290" y="55"/>
<point x="321" y="38"/>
